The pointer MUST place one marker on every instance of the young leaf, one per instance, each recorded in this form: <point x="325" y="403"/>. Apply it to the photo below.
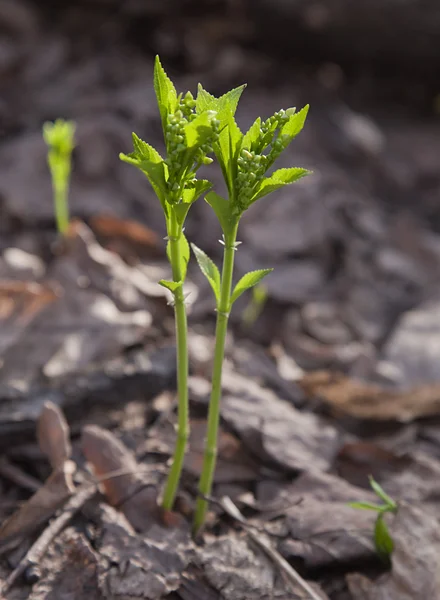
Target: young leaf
<point x="295" y="123"/>
<point x="191" y="194"/>
<point x="279" y="179"/>
<point x="204" y="100"/>
<point x="145" y="151"/>
<point x="170" y="285"/>
<point x="222" y="209"/>
<point x="248" y="281"/>
<point x="229" y="101"/>
<point x="252" y="135"/>
<point x="382" y="539"/>
<point x="197" y="132"/>
<point x="378" y="489"/>
<point x="184" y="254"/>
<point x="366" y="506"/>
<point x="227" y="149"/>
<point x="209" y="270"/>
<point x="155" y="173"/>
<point x="165" y="92"/>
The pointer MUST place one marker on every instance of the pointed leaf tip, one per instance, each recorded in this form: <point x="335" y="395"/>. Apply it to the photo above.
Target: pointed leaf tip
<point x="209" y="270"/>
<point x="248" y="281"/>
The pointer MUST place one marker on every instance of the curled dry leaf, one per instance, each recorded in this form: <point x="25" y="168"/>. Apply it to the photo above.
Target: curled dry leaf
<point x="132" y="491"/>
<point x="130" y="239"/>
<point x="355" y="398"/>
<point x="53" y="435"/>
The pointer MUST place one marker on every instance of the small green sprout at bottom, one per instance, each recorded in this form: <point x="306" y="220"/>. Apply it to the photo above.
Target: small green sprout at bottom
<point x="382" y="538"/>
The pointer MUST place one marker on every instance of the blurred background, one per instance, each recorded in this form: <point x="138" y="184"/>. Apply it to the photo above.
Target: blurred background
<point x="355" y="246"/>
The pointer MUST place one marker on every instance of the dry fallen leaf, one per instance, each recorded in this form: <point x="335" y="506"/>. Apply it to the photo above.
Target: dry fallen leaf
<point x="53" y="433"/>
<point x="130" y="239"/>
<point x="355" y="398"/>
<point x="132" y="491"/>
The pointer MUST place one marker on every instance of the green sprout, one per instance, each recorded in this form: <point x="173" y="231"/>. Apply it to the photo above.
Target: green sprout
<point x="59" y="137"/>
<point x="245" y="160"/>
<point x="382" y="538"/>
<point x="189" y="135"/>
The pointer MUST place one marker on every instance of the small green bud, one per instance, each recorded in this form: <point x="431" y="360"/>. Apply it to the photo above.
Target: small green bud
<point x="207" y="160"/>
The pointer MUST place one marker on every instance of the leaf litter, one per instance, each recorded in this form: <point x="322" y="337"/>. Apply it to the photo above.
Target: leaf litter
<point x="352" y="302"/>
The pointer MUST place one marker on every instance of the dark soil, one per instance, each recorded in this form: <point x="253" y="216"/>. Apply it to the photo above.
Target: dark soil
<point x="336" y="380"/>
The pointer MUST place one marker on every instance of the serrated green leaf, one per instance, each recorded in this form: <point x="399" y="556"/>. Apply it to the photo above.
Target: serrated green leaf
<point x="378" y="489"/>
<point x="252" y="135"/>
<point x="382" y="539"/>
<point x="279" y="179"/>
<point x="366" y="506"/>
<point x="184" y="254"/>
<point x="227" y="149"/>
<point x="172" y="286"/>
<point x="209" y="270"/>
<point x="229" y="101"/>
<point x="222" y="209"/>
<point x="165" y="92"/>
<point x="295" y="123"/>
<point x="201" y="186"/>
<point x="145" y="151"/>
<point x="155" y="173"/>
<point x="248" y="281"/>
<point x="198" y="131"/>
<point x="204" y="100"/>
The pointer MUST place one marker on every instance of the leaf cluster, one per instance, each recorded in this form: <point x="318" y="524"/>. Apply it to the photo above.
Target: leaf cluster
<point x="382" y="538"/>
<point x="60" y="139"/>
<point x="193" y="128"/>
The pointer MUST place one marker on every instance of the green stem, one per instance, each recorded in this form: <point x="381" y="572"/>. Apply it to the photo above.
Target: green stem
<point x="210" y="454"/>
<point x="61" y="206"/>
<point x="172" y="484"/>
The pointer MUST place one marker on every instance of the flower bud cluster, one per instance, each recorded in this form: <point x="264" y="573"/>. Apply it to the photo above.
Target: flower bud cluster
<point x="251" y="169"/>
<point x="277" y="121"/>
<point x="207" y="148"/>
<point x="176" y="146"/>
<point x="175" y="140"/>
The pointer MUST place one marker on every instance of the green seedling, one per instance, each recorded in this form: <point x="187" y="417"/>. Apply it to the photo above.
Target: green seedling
<point x="189" y="135"/>
<point x="255" y="306"/>
<point x="59" y="137"/>
<point x="245" y="160"/>
<point x="382" y="538"/>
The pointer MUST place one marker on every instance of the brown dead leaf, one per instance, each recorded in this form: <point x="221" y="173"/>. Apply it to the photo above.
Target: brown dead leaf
<point x="318" y="526"/>
<point x="355" y="398"/>
<point x="415" y="572"/>
<point x="237" y="569"/>
<point x="20" y="303"/>
<point x="234" y="462"/>
<point x="133" y="492"/>
<point x="130" y="239"/>
<point x="69" y="570"/>
<point x="274" y="430"/>
<point x="53" y="435"/>
<point x="39" y="508"/>
<point x="356" y="461"/>
<point x="148" y="566"/>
